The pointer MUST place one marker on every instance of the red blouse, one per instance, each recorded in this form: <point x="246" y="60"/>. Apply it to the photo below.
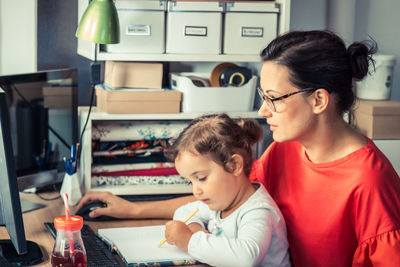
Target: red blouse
<point x="341" y="213"/>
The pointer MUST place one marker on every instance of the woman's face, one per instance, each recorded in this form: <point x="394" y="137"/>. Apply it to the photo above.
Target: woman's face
<point x="293" y="118"/>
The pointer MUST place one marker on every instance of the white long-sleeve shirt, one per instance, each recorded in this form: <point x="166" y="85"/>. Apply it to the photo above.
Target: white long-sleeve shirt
<point x="253" y="235"/>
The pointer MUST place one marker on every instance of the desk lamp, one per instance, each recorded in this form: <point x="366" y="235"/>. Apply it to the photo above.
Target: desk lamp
<point x="99" y="24"/>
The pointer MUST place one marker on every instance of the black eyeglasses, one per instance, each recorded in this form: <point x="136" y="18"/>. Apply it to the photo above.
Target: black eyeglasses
<point x="270" y="101"/>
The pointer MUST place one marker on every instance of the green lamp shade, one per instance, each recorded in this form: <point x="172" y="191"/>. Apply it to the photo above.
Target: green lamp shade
<point x="99" y="23"/>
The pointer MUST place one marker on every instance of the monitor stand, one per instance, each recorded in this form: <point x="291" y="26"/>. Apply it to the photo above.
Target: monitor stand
<point x="32" y="257"/>
<point x="39" y="179"/>
<point x="29" y="206"/>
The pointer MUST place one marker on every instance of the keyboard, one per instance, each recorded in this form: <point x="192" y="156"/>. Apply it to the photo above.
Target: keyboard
<point x="5" y="263"/>
<point x="97" y="252"/>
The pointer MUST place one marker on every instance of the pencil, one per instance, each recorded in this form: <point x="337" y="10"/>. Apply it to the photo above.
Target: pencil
<point x="184" y="221"/>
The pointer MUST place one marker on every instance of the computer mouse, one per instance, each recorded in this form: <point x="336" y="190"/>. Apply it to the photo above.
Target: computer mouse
<point x="88" y="207"/>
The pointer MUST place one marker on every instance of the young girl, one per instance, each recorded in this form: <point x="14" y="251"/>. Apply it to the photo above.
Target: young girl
<point x="238" y="223"/>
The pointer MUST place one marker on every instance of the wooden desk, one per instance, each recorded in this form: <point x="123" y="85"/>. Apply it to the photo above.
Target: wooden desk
<point x="37" y="232"/>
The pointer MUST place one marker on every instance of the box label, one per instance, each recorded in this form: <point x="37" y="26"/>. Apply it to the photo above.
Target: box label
<point x="195" y="31"/>
<point x="138" y="29"/>
<point x="252" y="31"/>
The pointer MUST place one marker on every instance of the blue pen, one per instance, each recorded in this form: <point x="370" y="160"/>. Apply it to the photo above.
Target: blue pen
<point x="73" y="152"/>
<point x="72" y="165"/>
<point x="76" y="156"/>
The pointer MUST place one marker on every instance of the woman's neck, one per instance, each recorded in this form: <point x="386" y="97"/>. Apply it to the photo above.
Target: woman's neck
<point x="332" y="139"/>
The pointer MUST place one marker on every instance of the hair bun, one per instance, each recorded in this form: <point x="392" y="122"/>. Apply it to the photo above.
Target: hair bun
<point x="360" y="56"/>
<point x="252" y="130"/>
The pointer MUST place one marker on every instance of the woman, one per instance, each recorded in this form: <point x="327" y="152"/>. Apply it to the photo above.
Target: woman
<point x="337" y="192"/>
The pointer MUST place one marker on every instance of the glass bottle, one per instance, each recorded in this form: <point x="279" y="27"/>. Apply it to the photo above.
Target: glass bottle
<point x="68" y="250"/>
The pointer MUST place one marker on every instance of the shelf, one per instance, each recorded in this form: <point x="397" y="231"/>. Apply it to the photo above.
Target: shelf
<point x="96" y="115"/>
<point x="103" y="56"/>
<point x="145" y="189"/>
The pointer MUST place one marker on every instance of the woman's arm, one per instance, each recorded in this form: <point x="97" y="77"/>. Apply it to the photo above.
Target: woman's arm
<point x="381" y="250"/>
<point x="121" y="208"/>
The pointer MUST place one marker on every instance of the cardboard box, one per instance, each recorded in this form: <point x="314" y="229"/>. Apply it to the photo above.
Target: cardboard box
<point x="138" y="101"/>
<point x="378" y="119"/>
<point x="57" y="97"/>
<point x="133" y="75"/>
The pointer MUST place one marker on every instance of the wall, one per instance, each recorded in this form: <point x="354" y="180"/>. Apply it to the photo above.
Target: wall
<point x="18" y="30"/>
<point x="57" y="44"/>
<point x="308" y="14"/>
<point x="340" y="18"/>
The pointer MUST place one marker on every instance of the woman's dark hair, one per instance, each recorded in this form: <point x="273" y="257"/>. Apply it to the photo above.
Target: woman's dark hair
<point x="219" y="137"/>
<point x="319" y="59"/>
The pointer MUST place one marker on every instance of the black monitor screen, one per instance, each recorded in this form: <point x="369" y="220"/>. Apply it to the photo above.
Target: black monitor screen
<point x="42" y="107"/>
<point x="18" y="250"/>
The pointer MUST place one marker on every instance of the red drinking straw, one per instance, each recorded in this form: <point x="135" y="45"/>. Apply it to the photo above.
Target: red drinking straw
<point x="68" y="218"/>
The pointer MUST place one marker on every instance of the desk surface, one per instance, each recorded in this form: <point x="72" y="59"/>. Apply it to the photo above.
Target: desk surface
<point x="37" y="232"/>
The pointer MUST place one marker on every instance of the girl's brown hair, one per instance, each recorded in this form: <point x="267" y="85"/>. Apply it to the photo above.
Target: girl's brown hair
<point x="219" y="137"/>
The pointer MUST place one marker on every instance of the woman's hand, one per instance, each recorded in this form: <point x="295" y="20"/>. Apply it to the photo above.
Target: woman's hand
<point x="121" y="208"/>
<point x="116" y="206"/>
<point x="178" y="233"/>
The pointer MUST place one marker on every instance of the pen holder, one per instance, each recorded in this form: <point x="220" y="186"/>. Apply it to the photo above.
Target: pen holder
<point x="71" y="186"/>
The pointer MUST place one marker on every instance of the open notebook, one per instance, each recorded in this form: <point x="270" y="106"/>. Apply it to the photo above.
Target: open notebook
<point x="138" y="246"/>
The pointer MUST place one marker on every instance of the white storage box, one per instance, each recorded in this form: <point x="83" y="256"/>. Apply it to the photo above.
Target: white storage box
<point x="142" y="27"/>
<point x="377" y="85"/>
<point x="194" y="27"/>
<point x="213" y="99"/>
<point x="249" y="26"/>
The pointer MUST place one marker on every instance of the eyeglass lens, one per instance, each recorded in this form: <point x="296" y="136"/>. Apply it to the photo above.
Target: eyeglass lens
<point x="270" y="104"/>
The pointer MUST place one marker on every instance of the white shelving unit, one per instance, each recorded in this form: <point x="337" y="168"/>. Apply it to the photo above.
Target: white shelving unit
<point x="86" y="156"/>
<point x="90" y="51"/>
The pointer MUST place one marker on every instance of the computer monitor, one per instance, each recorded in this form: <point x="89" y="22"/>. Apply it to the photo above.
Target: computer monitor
<point x="16" y="250"/>
<point x="43" y="121"/>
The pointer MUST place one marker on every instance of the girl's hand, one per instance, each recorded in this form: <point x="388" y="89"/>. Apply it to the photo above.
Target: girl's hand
<point x="178" y="233"/>
<point x="195" y="227"/>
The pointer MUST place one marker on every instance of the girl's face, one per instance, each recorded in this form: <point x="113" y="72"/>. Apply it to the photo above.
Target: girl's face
<point x="211" y="184"/>
<point x="293" y="117"/>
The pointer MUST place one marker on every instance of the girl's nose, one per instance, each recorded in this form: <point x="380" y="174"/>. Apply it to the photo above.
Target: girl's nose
<point x="197" y="191"/>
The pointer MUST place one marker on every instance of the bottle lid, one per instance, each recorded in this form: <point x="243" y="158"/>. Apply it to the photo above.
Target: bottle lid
<point x="75" y="223"/>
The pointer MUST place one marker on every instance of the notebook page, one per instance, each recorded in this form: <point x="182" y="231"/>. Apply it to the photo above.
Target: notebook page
<point x="140" y="244"/>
